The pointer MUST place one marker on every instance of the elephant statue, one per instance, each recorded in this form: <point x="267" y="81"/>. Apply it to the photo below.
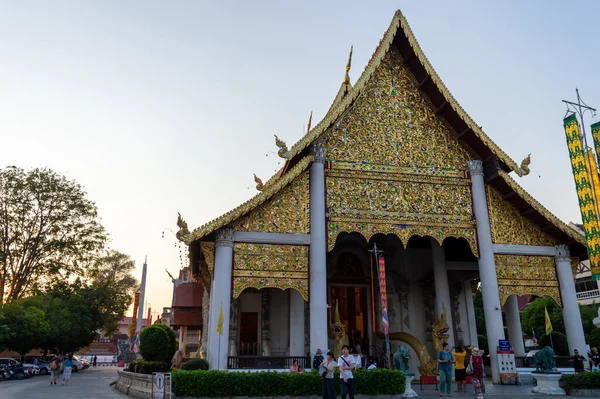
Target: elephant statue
<point x="544" y="360"/>
<point x="401" y="359"/>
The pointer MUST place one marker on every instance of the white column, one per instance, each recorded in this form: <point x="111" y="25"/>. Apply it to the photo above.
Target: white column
<point x="442" y="289"/>
<point x="487" y="266"/>
<point x="571" y="315"/>
<point x="471" y="320"/>
<point x="296" y="324"/>
<point x="221" y="298"/>
<point x="513" y="324"/>
<point x="318" y="251"/>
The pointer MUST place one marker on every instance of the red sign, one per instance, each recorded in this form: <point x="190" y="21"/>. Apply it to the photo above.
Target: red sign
<point x="383" y="290"/>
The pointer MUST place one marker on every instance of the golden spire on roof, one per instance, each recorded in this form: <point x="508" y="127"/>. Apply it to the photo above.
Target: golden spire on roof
<point x="259" y="184"/>
<point x="309" y="122"/>
<point x="348" y="65"/>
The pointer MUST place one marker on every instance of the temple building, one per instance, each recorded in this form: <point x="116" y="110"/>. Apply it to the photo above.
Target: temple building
<point x="395" y="163"/>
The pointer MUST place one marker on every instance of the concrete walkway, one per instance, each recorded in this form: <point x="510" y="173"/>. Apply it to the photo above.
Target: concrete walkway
<point x="493" y="391"/>
<point x="85" y="384"/>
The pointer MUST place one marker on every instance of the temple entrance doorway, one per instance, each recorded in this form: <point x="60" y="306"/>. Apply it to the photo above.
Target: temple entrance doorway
<point x="349" y="286"/>
<point x="353" y="303"/>
<point x="249" y="334"/>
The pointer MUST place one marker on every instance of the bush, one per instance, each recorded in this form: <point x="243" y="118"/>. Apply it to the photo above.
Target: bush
<point x="589" y="380"/>
<point x="215" y="383"/>
<point x="561" y="346"/>
<point x="195" y="364"/>
<point x="172" y="341"/>
<point x="483" y="344"/>
<point x="145" y="367"/>
<point x="154" y="344"/>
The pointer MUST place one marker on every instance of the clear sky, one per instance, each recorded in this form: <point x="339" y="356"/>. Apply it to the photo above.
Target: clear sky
<point x="159" y="107"/>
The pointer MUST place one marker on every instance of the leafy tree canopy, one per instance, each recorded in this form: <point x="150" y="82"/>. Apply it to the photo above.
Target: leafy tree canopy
<point x="48" y="228"/>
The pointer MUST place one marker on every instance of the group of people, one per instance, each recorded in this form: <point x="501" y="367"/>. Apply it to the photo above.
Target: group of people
<point x="578" y="360"/>
<point x="465" y="361"/>
<point x="58" y="365"/>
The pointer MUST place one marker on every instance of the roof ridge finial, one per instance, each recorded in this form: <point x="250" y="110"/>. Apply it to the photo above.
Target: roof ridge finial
<point x="348" y="65"/>
<point x="309" y="122"/>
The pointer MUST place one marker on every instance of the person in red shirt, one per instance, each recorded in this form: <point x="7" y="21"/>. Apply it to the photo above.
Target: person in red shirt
<point x="477" y="376"/>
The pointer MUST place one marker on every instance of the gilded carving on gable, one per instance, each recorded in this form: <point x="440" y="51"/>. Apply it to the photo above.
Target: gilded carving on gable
<point x="270" y="266"/>
<point x="372" y="199"/>
<point x="391" y="123"/>
<point x="286" y="212"/>
<point x="510" y="227"/>
<point x="522" y="275"/>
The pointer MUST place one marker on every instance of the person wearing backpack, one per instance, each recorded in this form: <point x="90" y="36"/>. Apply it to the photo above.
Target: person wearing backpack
<point x="347" y="365"/>
<point x="54" y="370"/>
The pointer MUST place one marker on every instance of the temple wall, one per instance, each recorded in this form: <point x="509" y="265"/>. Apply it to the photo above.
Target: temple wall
<point x="279" y="316"/>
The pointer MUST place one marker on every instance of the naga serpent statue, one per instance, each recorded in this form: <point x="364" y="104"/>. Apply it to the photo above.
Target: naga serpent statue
<point x="283" y="150"/>
<point x="439" y="333"/>
<point x="524" y="168"/>
<point x="338" y="330"/>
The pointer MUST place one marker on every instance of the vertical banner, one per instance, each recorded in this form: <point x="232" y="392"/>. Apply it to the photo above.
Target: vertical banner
<point x="596" y="136"/>
<point x="590" y="163"/>
<point x="136" y="303"/>
<point x="585" y="195"/>
<point x="383" y="290"/>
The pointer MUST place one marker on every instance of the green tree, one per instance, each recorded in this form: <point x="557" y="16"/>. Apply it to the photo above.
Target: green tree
<point x="172" y="340"/>
<point x="154" y="344"/>
<point x="108" y="289"/>
<point x="533" y="317"/>
<point x="48" y="228"/>
<point x="479" y="314"/>
<point x="26" y="325"/>
<point x="588" y="313"/>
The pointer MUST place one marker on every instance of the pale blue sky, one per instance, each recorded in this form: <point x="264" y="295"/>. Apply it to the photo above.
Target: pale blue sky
<point x="158" y="107"/>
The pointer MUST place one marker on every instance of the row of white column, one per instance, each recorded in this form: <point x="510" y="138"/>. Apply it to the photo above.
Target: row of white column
<point x="489" y="283"/>
<point x="221" y="284"/>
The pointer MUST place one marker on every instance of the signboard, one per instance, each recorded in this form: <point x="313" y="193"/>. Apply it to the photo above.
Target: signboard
<point x="158" y="385"/>
<point x="503" y="345"/>
<point x="508" y="367"/>
<point x="385" y="324"/>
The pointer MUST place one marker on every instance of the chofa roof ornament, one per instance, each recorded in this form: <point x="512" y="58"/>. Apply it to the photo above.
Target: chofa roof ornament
<point x="348" y="65"/>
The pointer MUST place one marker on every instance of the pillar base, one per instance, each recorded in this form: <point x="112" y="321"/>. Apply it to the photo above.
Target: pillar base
<point x="547" y="384"/>
<point x="408" y="391"/>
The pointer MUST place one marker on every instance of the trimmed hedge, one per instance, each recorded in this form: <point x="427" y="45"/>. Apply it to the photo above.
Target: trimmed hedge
<point x="588" y="380"/>
<point x="271" y="383"/>
<point x="195" y="364"/>
<point x="173" y="346"/>
<point x="154" y="344"/>
<point x="145" y="367"/>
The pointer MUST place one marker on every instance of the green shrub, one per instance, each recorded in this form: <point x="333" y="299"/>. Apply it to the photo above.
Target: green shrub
<point x="154" y="344"/>
<point x="483" y="343"/>
<point x="195" y="364"/>
<point x="145" y="367"/>
<point x="215" y="383"/>
<point x="589" y="380"/>
<point x="172" y="341"/>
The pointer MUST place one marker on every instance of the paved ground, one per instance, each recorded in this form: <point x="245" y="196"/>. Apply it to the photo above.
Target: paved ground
<point x="86" y="384"/>
<point x="492" y="391"/>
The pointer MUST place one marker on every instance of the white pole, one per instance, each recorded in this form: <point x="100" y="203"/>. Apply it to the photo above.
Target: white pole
<point x="138" y="326"/>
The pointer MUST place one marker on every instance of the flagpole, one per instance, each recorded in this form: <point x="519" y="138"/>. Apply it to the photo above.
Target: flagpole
<point x="551" y="343"/>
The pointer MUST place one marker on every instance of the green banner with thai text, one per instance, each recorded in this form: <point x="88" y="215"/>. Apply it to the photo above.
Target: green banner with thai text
<point x="585" y="193"/>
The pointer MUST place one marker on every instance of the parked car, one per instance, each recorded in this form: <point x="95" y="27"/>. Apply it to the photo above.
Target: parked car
<point x="41" y="363"/>
<point x="84" y="363"/>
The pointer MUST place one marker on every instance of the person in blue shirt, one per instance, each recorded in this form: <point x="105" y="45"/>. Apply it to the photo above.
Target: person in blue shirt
<point x="445" y="361"/>
<point x="67" y="367"/>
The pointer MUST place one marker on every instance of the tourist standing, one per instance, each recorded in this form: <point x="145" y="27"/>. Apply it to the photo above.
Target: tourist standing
<point x="445" y="361"/>
<point x="54" y="370"/>
<point x="346" y="365"/>
<point x="318" y="359"/>
<point x="95" y="360"/>
<point x="329" y="365"/>
<point x="577" y="360"/>
<point x="477" y="377"/>
<point x="459" y="369"/>
<point x="357" y="358"/>
<point x="67" y="367"/>
<point x="595" y="358"/>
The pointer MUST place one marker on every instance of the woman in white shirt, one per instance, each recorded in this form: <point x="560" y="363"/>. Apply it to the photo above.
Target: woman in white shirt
<point x="346" y="364"/>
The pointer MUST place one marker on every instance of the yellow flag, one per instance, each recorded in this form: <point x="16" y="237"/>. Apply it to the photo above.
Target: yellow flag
<point x="220" y="321"/>
<point x="548" y="322"/>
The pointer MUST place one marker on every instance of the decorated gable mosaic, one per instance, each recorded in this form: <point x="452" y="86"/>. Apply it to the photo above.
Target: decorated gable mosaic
<point x="393" y="166"/>
<point x="270" y="266"/>
<point x="287" y="212"/>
